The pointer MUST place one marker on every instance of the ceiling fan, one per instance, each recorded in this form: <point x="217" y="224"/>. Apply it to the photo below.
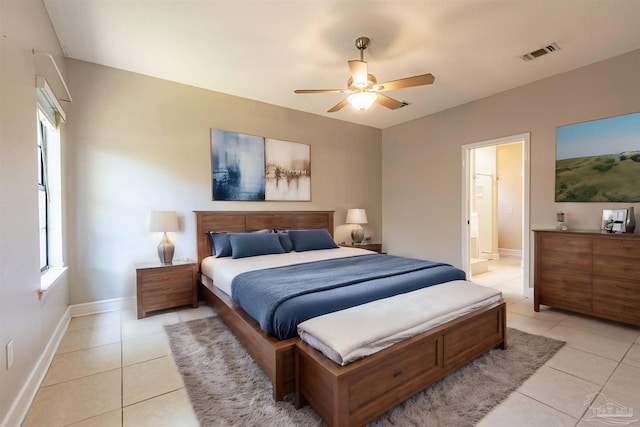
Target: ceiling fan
<point x="364" y="88"/>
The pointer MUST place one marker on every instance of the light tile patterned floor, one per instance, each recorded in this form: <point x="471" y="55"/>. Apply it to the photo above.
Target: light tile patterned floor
<point x="600" y="361"/>
<point x="114" y="370"/>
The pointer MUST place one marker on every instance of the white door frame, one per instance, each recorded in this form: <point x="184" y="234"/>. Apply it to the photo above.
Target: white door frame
<point x="526" y="197"/>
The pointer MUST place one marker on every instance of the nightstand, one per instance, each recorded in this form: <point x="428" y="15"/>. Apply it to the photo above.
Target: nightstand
<point x="163" y="286"/>
<point x="375" y="247"/>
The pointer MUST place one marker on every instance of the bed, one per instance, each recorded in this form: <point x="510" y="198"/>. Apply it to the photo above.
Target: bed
<point x="468" y="336"/>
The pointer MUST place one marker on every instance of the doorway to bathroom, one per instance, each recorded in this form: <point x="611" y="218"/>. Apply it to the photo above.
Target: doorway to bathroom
<point x="496" y="208"/>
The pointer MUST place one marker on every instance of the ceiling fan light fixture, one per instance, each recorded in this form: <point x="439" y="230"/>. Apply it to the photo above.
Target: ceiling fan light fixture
<point x="364" y="87"/>
<point x="360" y="84"/>
<point x="362" y="100"/>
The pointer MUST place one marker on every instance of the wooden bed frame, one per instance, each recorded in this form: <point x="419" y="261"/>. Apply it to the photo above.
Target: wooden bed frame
<point x="396" y="373"/>
<point x="275" y="357"/>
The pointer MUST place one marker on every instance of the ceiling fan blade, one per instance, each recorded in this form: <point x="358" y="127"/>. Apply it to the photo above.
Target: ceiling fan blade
<point x="339" y="106"/>
<point x="320" y="91"/>
<point x="424" y="79"/>
<point x="390" y="103"/>
<point x="359" y="73"/>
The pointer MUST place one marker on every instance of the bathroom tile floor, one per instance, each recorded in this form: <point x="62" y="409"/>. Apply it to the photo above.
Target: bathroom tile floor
<point x="112" y="369"/>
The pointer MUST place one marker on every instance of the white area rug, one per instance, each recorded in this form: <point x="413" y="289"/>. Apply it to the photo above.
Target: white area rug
<point x="227" y="388"/>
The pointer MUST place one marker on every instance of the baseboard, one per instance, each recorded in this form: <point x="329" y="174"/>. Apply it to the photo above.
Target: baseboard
<point x="510" y="252"/>
<point x="22" y="403"/>
<point x="95" y="307"/>
<point x="489" y="256"/>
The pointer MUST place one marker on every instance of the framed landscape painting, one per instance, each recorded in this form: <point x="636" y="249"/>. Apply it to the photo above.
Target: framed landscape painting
<point x="599" y="161"/>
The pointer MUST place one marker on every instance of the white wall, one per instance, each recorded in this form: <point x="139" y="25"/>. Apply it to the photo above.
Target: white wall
<point x="141" y="144"/>
<point x="24" y="319"/>
<point x="422" y="161"/>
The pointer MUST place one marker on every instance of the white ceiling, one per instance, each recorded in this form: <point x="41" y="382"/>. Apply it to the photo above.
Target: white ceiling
<point x="265" y="49"/>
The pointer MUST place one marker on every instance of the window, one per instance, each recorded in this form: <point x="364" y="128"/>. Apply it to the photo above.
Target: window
<point x="43" y="196"/>
<point x="49" y="201"/>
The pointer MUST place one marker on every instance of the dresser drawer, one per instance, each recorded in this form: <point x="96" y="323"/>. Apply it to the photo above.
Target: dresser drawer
<point x="617" y="298"/>
<point x="616" y="247"/>
<point x="569" y="249"/>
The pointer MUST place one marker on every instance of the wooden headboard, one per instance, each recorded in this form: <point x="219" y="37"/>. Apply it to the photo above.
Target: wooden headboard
<point x="207" y="221"/>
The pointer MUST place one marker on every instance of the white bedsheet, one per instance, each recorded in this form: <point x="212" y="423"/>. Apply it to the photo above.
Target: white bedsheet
<point x="347" y="335"/>
<point x="223" y="270"/>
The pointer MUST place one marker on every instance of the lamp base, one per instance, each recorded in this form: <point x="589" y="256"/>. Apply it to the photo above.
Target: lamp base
<point x="357" y="234"/>
<point x="165" y="250"/>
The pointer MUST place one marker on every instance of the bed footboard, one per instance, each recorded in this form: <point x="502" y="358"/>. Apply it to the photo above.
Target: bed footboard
<point x="354" y="394"/>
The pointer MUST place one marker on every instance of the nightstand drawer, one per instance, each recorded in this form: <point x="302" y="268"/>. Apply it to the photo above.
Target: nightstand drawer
<point x="167" y="286"/>
<point x="158" y="300"/>
<point x="166" y="278"/>
<point x="375" y="247"/>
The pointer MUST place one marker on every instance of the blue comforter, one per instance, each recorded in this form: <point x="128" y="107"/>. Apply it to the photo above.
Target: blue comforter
<point x="280" y="298"/>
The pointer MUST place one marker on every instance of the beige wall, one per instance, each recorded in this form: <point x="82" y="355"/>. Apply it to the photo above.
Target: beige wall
<point x="509" y="162"/>
<point x="141" y="144"/>
<point x="422" y="160"/>
<point x="25" y="319"/>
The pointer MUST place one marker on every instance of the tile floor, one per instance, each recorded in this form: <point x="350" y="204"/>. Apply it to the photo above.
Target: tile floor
<point x="114" y="370"/>
<point x="600" y="361"/>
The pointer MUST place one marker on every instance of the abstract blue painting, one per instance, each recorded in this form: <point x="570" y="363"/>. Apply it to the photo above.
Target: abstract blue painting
<point x="238" y="171"/>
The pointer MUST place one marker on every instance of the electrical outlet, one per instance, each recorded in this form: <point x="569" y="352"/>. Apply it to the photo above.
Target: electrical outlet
<point x="9" y="354"/>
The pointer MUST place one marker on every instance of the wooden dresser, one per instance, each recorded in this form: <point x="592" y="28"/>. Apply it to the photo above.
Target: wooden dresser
<point x="588" y="272"/>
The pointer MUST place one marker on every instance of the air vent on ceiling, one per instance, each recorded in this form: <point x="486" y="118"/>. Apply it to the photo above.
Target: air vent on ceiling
<point x="540" y="52"/>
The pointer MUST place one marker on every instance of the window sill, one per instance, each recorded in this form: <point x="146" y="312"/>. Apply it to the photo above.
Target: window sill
<point x="49" y="279"/>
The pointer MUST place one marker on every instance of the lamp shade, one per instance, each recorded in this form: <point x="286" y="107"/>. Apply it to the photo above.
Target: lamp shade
<point x="163" y="221"/>
<point x="362" y="100"/>
<point x="356" y="216"/>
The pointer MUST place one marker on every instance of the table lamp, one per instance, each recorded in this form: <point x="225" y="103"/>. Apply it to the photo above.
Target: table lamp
<point x="357" y="216"/>
<point x="164" y="221"/>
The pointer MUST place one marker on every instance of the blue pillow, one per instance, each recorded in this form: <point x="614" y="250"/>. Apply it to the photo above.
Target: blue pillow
<point x="310" y="240"/>
<point x="254" y="244"/>
<point x="220" y="246"/>
<point x="285" y="241"/>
